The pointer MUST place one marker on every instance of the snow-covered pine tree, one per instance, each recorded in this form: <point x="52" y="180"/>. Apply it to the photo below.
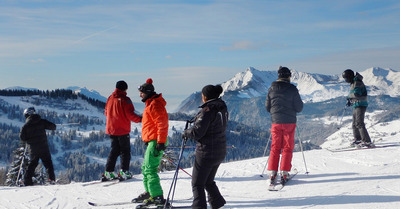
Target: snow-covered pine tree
<point x="16" y="172"/>
<point x="17" y="169"/>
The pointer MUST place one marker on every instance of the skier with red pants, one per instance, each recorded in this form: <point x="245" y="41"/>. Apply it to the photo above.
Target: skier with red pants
<point x="283" y="103"/>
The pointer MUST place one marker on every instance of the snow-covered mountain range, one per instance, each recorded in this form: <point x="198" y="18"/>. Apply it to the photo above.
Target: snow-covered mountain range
<point x="312" y="87"/>
<point x="90" y="93"/>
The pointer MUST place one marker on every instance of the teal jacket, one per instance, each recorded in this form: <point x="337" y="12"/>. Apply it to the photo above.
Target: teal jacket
<point x="358" y="92"/>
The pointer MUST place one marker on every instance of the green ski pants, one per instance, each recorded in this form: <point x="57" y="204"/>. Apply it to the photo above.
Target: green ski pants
<point x="152" y="159"/>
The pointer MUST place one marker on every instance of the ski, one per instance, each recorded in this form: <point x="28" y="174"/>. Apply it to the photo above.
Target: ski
<point x="279" y="185"/>
<point x="100" y="182"/>
<point x="116" y="182"/>
<point x="107" y="182"/>
<point x="344" y="149"/>
<point x="109" y="204"/>
<point x="138" y="206"/>
<point x="162" y="207"/>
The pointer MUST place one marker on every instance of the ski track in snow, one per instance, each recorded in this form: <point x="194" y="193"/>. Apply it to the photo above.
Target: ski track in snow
<point x="364" y="179"/>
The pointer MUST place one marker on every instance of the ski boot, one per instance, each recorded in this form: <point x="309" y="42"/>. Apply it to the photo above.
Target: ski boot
<point x="355" y="143"/>
<point x="51" y="182"/>
<point x="157" y="201"/>
<point x="108" y="176"/>
<point x="367" y="144"/>
<point x="141" y="197"/>
<point x="124" y="175"/>
<point x="284" y="177"/>
<point x="272" y="177"/>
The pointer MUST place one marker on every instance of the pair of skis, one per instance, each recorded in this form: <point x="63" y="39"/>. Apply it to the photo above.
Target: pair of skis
<point x="140" y="206"/>
<point x="107" y="183"/>
<point x="278" y="185"/>
<point x="345" y="149"/>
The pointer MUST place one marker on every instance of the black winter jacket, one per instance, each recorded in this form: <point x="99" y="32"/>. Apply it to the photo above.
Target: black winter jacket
<point x="283" y="102"/>
<point x="33" y="132"/>
<point x="209" y="129"/>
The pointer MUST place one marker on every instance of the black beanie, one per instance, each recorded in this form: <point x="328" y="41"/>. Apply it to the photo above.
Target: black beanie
<point x="284" y="72"/>
<point x="211" y="91"/>
<point x="147" y="87"/>
<point x="122" y="85"/>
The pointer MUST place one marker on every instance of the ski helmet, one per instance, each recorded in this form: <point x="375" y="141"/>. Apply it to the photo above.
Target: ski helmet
<point x="29" y="111"/>
<point x="284" y="72"/>
<point x="348" y="75"/>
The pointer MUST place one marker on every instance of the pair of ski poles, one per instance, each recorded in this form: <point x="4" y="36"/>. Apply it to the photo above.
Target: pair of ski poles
<point x="168" y="203"/>
<point x="301" y="148"/>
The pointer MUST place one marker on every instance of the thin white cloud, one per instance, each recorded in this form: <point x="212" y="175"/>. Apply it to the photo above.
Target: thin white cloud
<point x="94" y="34"/>
<point x="358" y="60"/>
<point x="39" y="60"/>
<point x="118" y="74"/>
<point x="240" y="45"/>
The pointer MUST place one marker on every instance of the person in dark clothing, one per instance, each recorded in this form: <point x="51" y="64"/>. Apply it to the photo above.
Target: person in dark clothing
<point x="33" y="132"/>
<point x="120" y="112"/>
<point x="208" y="130"/>
<point x="283" y="103"/>
<point x="359" y="99"/>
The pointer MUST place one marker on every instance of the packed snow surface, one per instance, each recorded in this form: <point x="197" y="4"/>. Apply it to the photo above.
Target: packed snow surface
<point x="368" y="178"/>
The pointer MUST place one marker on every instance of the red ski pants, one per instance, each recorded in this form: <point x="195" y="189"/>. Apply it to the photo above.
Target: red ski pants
<point x="282" y="137"/>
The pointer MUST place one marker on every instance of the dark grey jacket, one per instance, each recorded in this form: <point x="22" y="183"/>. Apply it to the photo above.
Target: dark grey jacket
<point x="283" y="102"/>
<point x="34" y="132"/>
<point x="209" y="129"/>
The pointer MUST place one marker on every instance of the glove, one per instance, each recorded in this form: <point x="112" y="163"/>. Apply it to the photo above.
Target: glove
<point x="160" y="147"/>
<point x="348" y="104"/>
<point x="186" y="134"/>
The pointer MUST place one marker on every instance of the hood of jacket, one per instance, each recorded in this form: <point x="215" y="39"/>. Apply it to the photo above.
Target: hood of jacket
<point x="218" y="104"/>
<point x="281" y="85"/>
<point x="118" y="93"/>
<point x="156" y="97"/>
<point x="32" y="119"/>
<point x="358" y="77"/>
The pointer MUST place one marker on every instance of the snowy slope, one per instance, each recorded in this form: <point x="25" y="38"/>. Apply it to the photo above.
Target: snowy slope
<point x="357" y="179"/>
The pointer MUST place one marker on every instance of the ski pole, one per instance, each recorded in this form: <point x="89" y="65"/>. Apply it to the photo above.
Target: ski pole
<point x="301" y="148"/>
<point x="265" y="151"/>
<point x="67" y="124"/>
<point x="164" y="156"/>
<point x="22" y="162"/>
<point x="192" y="147"/>
<point x="341" y="119"/>
<point x="175" y="178"/>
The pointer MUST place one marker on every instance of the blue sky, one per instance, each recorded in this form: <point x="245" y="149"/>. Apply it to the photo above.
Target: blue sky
<point x="184" y="45"/>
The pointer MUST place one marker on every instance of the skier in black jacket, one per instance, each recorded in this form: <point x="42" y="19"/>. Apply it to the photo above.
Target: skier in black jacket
<point x="34" y="134"/>
<point x="209" y="131"/>
<point x="283" y="102"/>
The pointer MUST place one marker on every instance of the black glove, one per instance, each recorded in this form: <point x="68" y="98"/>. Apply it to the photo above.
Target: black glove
<point x="348" y="104"/>
<point x="160" y="147"/>
<point x="185" y="134"/>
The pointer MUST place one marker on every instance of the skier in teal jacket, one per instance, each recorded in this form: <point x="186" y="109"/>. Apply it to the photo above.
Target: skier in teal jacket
<point x="358" y="98"/>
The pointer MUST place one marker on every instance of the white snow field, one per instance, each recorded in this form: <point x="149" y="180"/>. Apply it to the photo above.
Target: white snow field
<point x="368" y="178"/>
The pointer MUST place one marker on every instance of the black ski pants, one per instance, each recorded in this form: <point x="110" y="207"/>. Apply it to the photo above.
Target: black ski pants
<point x="358" y="125"/>
<point x="37" y="154"/>
<point x="120" y="146"/>
<point x="204" y="171"/>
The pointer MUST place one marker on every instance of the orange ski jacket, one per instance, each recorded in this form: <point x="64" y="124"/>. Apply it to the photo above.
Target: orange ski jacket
<point x="155" y="120"/>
